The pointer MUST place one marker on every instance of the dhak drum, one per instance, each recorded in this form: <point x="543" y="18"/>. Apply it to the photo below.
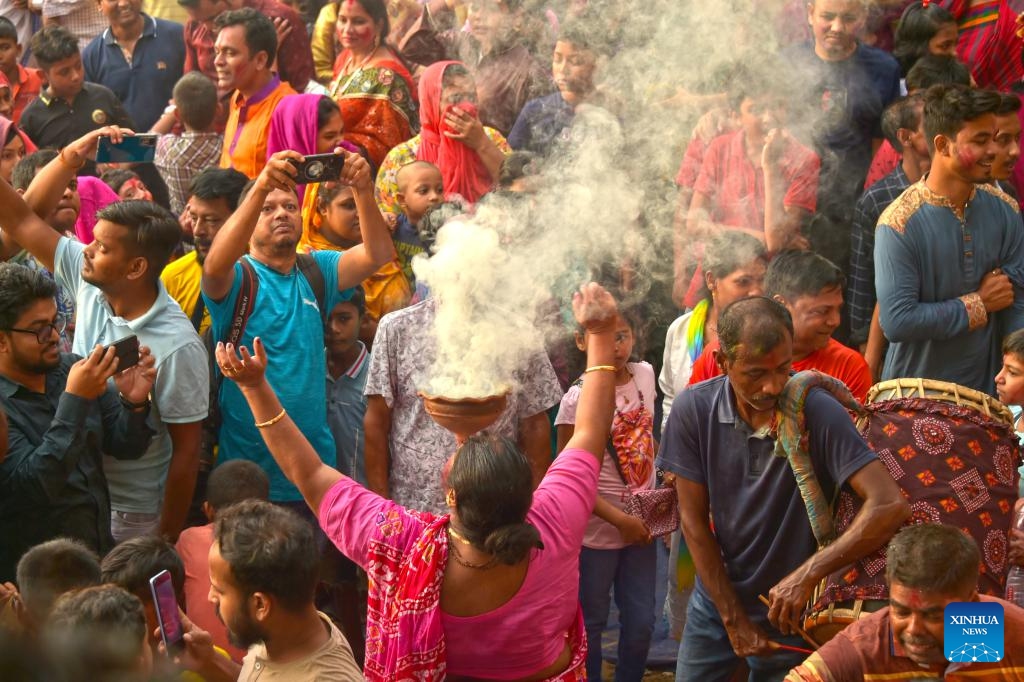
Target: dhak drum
<point x="954" y="454"/>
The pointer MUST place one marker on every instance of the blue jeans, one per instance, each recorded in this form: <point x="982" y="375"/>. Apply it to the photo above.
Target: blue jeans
<point x="705" y="654"/>
<point x="631" y="570"/>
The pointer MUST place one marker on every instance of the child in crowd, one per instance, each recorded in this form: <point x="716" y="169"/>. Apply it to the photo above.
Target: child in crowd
<point x="617" y="549"/>
<point x="347" y="364"/>
<point x="179" y="158"/>
<point x="126" y="184"/>
<point x="1010" y="385"/>
<point x="420" y="186"/>
<point x="24" y="83"/>
<point x="229" y="484"/>
<point x="387" y="289"/>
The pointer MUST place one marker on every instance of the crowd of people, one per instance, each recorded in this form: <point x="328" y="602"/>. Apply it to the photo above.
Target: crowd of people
<point x="214" y="356"/>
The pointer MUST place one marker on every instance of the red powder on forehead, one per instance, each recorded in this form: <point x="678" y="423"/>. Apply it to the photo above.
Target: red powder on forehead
<point x="915" y="600"/>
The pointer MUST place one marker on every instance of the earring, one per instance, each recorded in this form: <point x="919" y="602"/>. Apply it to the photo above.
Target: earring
<point x="449" y="498"/>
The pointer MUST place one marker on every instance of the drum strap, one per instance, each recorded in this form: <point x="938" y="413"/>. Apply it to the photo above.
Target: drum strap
<point x="792" y="443"/>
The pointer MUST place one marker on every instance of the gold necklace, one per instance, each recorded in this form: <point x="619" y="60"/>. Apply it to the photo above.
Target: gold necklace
<point x="455" y="534"/>
<point x="457" y="555"/>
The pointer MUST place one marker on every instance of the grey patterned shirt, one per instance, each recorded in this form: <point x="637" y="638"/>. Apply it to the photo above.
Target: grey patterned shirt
<point x="403" y="352"/>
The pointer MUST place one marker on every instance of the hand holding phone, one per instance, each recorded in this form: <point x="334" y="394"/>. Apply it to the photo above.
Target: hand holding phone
<point x="127" y="352"/>
<point x="171" y="631"/>
<point x="131" y="149"/>
<point x="318" y="168"/>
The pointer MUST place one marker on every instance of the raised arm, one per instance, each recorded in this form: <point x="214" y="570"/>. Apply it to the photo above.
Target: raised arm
<point x="596" y="311"/>
<point x="290" y="449"/>
<point x="377" y="249"/>
<point x="232" y="240"/>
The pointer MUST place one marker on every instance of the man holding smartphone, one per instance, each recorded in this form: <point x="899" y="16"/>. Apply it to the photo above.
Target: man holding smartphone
<point x="62" y="415"/>
<point x="116" y="280"/>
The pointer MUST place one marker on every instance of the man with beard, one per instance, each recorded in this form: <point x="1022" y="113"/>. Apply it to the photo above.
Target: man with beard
<point x="62" y="414"/>
<point x="263" y="577"/>
<point x="282" y="304"/>
<point x="213" y="197"/>
<point x="1008" y="139"/>
<point x="246" y="48"/>
<point x="116" y="281"/>
<point x="949" y="253"/>
<point x="929" y="566"/>
<point x="719" y="443"/>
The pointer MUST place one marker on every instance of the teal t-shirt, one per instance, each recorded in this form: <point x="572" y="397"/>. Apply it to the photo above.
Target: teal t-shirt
<point x="287" y="318"/>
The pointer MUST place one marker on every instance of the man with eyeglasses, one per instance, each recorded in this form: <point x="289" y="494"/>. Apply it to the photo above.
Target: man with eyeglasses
<point x="62" y="415"/>
<point x="213" y="197"/>
<point x="116" y="281"/>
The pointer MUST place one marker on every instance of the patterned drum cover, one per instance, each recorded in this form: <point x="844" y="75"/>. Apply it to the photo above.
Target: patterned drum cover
<point x="955" y="466"/>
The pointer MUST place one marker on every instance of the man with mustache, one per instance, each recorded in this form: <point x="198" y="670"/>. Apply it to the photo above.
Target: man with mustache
<point x="718" y="443"/>
<point x="928" y="567"/>
<point x="949" y="253"/>
<point x="213" y="197"/>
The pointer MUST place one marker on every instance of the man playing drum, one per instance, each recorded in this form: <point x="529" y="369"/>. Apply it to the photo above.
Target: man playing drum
<point x="928" y="566"/>
<point x="718" y="444"/>
<point x="949" y="252"/>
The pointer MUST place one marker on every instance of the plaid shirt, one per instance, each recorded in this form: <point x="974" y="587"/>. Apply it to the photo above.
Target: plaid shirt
<point x="179" y="159"/>
<point x="78" y="16"/>
<point x="860" y="295"/>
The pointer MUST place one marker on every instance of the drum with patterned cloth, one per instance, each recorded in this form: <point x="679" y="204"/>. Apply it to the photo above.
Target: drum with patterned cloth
<point x="954" y="454"/>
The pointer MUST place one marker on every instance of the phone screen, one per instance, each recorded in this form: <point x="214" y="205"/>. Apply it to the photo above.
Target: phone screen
<point x="131" y="149"/>
<point x="127" y="351"/>
<point x="167" y="611"/>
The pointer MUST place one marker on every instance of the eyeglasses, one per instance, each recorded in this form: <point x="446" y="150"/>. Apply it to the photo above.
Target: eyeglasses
<point x="42" y="333"/>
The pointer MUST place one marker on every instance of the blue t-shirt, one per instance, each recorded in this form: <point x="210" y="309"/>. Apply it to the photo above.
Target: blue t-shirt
<point x="287" y="318"/>
<point x="760" y="519"/>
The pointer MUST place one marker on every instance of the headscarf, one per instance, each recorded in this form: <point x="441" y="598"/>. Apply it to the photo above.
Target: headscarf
<point x="6" y="125"/>
<point x="293" y="125"/>
<point x="463" y="171"/>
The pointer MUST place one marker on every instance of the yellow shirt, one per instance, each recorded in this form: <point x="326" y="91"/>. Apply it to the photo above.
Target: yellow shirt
<point x="245" y="138"/>
<point x="182" y="278"/>
<point x="165" y="9"/>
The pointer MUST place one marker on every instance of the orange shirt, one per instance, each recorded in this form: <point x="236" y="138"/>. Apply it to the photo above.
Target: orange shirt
<point x="245" y="138"/>
<point x="25" y="89"/>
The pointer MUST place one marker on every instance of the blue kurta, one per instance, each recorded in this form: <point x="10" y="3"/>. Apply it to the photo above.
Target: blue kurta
<point x="929" y="261"/>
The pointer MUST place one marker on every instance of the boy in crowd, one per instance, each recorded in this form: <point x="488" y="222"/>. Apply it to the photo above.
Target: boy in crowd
<point x="758" y="179"/>
<point x="347" y="363"/>
<point x="179" y="158"/>
<point x="25" y="83"/>
<point x="229" y="484"/>
<point x="69" y="107"/>
<point x="420" y="186"/>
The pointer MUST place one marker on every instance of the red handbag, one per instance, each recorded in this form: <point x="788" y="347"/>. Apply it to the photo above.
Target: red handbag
<point x="658" y="508"/>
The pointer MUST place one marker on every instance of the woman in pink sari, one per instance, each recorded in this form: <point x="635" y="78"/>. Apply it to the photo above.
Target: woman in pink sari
<point x="490" y="590"/>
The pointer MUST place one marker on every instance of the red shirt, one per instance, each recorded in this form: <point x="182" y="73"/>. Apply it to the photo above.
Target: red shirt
<point x="25" y="89"/>
<point x="294" y="55"/>
<point x="885" y="162"/>
<point x="835" y="360"/>
<point x="693" y="159"/>
<point x="735" y="186"/>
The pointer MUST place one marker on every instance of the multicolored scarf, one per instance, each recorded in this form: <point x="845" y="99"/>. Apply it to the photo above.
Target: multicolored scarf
<point x="404" y="634"/>
<point x="790" y="432"/>
<point x="695" y="329"/>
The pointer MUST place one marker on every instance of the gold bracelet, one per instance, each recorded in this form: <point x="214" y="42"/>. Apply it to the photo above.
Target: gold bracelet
<point x="271" y="422"/>
<point x="601" y="368"/>
<point x="68" y="163"/>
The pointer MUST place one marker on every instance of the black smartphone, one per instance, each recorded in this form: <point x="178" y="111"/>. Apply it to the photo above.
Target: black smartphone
<point x="171" y="630"/>
<point x="131" y="149"/>
<point x="127" y="351"/>
<point x="318" y="168"/>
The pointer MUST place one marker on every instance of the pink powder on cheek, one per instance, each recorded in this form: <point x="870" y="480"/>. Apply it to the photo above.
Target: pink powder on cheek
<point x="966" y="157"/>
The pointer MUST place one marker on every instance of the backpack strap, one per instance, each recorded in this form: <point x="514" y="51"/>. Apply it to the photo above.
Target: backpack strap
<point x="197" y="313"/>
<point x="244" y="304"/>
<point x="310" y="269"/>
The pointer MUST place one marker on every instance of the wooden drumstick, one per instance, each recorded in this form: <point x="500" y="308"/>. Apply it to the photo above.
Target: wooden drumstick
<point x="799" y="630"/>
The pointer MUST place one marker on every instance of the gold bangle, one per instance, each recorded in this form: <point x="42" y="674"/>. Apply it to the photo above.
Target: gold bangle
<point x="271" y="422"/>
<point x="601" y="368"/>
<point x="68" y="163"/>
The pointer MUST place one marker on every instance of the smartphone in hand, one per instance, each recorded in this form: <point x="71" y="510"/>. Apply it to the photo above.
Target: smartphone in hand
<point x="171" y="629"/>
<point x="131" y="149"/>
<point x="127" y="351"/>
